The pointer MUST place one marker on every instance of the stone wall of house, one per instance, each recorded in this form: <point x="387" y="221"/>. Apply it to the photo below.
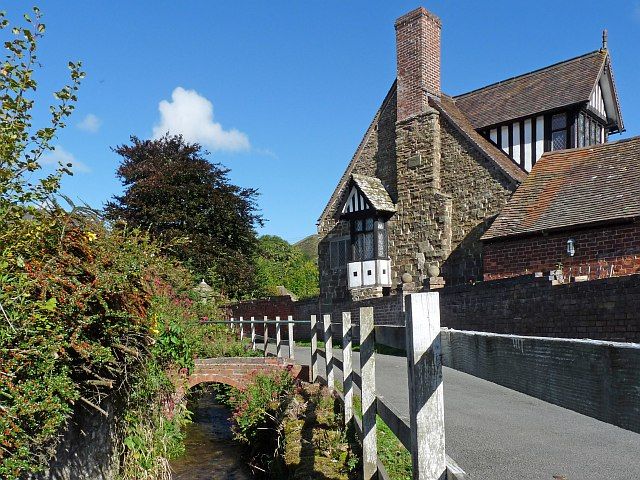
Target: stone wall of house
<point x="420" y="230"/>
<point x="599" y="252"/>
<point x="478" y="190"/>
<point x="374" y="157"/>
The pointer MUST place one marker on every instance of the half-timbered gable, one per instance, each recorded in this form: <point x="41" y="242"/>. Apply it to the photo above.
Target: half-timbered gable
<point x="433" y="170"/>
<point x="566" y="105"/>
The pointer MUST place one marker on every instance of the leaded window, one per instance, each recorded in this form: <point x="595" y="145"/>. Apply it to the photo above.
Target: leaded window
<point x="369" y="239"/>
<point x="338" y="252"/>
<point x="590" y="131"/>
<point x="559" y="131"/>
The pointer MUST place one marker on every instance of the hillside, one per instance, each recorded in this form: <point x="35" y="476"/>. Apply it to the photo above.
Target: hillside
<point x="309" y="246"/>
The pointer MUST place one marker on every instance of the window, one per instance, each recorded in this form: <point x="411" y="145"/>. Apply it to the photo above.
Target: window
<point x="559" y="131"/>
<point x="338" y="249"/>
<point x="369" y="239"/>
<point x="363" y="240"/>
<point x="590" y="131"/>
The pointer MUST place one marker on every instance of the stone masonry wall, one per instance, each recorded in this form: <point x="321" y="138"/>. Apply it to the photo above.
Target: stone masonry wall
<point x="374" y="157"/>
<point x="600" y="252"/>
<point x="420" y="230"/>
<point x="478" y="191"/>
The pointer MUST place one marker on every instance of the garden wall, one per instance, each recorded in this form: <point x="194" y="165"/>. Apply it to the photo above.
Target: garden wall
<point x="606" y="309"/>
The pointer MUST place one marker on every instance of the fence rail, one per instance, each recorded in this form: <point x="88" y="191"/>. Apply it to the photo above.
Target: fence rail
<point x="422" y="433"/>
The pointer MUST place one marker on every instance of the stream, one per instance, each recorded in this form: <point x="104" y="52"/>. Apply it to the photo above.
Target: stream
<point x="210" y="451"/>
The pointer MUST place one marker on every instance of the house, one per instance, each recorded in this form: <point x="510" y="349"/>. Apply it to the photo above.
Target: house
<point x="433" y="170"/>
<point x="578" y="211"/>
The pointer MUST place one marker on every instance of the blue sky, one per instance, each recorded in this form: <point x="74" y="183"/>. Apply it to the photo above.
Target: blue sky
<point x="292" y="86"/>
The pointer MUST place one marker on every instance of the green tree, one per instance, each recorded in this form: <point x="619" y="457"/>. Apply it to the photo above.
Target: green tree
<point x="280" y="263"/>
<point x="188" y="203"/>
<point x="21" y="144"/>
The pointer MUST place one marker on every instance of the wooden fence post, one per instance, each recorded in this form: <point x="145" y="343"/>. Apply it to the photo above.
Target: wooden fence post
<point x="253" y="333"/>
<point x="314" y="349"/>
<point x="265" y="336"/>
<point x="368" y="388"/>
<point x="328" y="350"/>
<point x="426" y="407"/>
<point x="292" y="342"/>
<point x="347" y="375"/>
<point x="241" y="329"/>
<point x="278" y="339"/>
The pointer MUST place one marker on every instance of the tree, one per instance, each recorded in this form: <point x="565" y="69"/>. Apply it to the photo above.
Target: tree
<point x="21" y="145"/>
<point x="188" y="203"/>
<point x="280" y="263"/>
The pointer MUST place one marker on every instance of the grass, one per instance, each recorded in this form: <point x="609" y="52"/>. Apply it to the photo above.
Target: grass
<point x="395" y="458"/>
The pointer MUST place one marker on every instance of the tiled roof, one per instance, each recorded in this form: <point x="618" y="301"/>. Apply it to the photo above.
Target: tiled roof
<point x="565" y="83"/>
<point x="572" y="188"/>
<point x="447" y="107"/>
<point x="375" y="192"/>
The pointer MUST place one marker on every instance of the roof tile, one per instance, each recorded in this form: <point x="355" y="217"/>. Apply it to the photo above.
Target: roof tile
<point x="572" y="188"/>
<point x="565" y="83"/>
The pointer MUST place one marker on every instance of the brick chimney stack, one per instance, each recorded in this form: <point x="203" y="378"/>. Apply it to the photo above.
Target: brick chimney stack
<point x="418" y="51"/>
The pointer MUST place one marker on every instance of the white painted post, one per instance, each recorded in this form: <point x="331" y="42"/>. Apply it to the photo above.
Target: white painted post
<point x="328" y="350"/>
<point x="241" y="329"/>
<point x="278" y="339"/>
<point x="347" y="376"/>
<point x="426" y="406"/>
<point x="231" y="324"/>
<point x="292" y="343"/>
<point x="314" y="349"/>
<point x="253" y="333"/>
<point x="265" y="336"/>
<point x="368" y="376"/>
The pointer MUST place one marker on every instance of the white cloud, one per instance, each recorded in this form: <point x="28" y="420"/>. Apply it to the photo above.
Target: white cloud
<point x="61" y="156"/>
<point x="190" y="114"/>
<point x="90" y="123"/>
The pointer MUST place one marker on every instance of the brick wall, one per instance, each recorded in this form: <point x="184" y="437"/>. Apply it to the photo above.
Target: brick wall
<point x="599" y="252"/>
<point x="598" y="379"/>
<point x="605" y="309"/>
<point x="418" y="52"/>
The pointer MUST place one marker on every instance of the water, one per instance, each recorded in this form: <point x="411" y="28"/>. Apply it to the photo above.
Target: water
<point x="210" y="451"/>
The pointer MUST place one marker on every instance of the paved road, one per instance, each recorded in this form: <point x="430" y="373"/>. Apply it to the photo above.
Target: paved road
<point x="496" y="433"/>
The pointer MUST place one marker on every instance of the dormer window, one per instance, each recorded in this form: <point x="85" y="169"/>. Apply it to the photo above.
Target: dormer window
<point x="368" y="207"/>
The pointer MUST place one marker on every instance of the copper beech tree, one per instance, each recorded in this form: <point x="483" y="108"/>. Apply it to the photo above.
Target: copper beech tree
<point x="188" y="203"/>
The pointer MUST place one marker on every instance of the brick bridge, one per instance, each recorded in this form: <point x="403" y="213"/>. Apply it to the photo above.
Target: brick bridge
<point x="233" y="371"/>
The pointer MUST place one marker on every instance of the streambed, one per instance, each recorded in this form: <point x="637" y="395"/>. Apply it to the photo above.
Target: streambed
<point x="211" y="452"/>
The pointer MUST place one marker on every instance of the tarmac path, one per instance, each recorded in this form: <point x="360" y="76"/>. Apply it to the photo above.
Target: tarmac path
<point x="492" y="432"/>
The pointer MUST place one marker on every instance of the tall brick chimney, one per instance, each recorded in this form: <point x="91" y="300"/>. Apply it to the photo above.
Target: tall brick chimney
<point x="418" y="50"/>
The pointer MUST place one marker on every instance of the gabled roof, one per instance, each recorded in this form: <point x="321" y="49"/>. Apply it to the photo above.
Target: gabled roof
<point x="447" y="107"/>
<point x="374" y="192"/>
<point x="340" y="187"/>
<point x="566" y="83"/>
<point x="572" y="188"/>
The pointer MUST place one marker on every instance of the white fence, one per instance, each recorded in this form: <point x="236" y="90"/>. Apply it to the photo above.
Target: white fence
<point x="423" y="435"/>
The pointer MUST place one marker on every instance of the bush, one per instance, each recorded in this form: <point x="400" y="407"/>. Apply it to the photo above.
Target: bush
<point x="258" y="408"/>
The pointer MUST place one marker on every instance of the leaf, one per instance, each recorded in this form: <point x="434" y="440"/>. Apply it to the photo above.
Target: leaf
<point x="50" y="304"/>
